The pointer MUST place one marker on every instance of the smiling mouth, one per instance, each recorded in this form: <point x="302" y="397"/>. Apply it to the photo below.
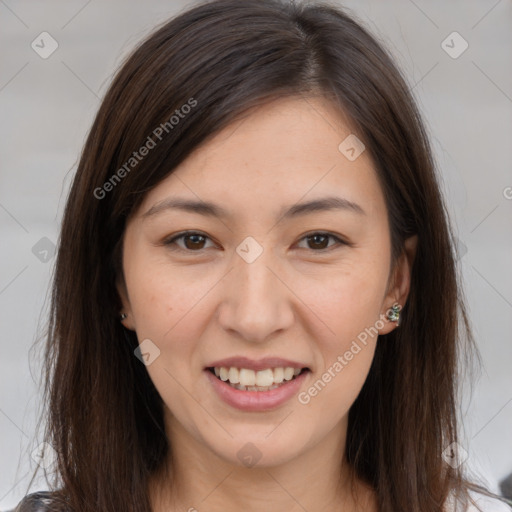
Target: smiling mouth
<point x="245" y="379"/>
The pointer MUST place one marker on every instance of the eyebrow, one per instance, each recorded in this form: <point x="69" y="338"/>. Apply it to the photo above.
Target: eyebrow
<point x="214" y="210"/>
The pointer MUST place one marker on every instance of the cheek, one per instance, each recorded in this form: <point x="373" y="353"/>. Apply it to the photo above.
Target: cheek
<point x="350" y="300"/>
<point x="164" y="298"/>
<point x="349" y="304"/>
<point x="345" y="351"/>
<point x="169" y="307"/>
<point x="166" y="304"/>
<point x="333" y="390"/>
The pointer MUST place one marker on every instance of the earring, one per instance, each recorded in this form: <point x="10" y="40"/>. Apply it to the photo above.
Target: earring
<point x="394" y="313"/>
<point x="123" y="316"/>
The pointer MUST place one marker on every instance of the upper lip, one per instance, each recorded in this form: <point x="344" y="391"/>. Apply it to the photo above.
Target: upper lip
<point x="256" y="365"/>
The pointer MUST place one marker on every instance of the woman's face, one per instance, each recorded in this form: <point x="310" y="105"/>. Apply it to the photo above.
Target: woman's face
<point x="285" y="265"/>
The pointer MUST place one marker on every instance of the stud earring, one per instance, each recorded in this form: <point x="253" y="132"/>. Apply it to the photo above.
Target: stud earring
<point x="394" y="313"/>
<point x="123" y="316"/>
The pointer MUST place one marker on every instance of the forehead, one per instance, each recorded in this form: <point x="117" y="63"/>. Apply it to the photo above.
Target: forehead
<point x="278" y="153"/>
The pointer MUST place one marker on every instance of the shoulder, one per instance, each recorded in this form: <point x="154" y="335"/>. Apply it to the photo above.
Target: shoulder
<point x="42" y="501"/>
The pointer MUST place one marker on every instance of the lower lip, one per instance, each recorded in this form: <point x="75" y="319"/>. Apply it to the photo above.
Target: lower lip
<point x="256" y="400"/>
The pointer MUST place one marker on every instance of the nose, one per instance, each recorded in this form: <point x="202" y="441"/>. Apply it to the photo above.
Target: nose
<point x="256" y="301"/>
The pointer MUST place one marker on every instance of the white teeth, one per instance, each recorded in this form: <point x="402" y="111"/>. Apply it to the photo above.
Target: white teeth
<point x="223" y="373"/>
<point x="264" y="378"/>
<point x="253" y="388"/>
<point x="247" y="377"/>
<point x="233" y="375"/>
<point x="250" y="380"/>
<point x="288" y="373"/>
<point x="278" y="375"/>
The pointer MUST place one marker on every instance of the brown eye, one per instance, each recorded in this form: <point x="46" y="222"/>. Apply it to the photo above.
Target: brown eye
<point x="320" y="241"/>
<point x="192" y="241"/>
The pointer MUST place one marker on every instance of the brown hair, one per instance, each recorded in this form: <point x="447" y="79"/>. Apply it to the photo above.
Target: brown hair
<point x="105" y="417"/>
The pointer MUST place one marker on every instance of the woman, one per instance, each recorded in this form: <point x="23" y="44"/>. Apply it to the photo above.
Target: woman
<point x="255" y="302"/>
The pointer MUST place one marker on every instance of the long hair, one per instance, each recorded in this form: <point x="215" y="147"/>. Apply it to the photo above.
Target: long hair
<point x="221" y="58"/>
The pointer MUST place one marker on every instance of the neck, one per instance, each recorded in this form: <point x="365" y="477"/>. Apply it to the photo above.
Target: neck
<point x="194" y="478"/>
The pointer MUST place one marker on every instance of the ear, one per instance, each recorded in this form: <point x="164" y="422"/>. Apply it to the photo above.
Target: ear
<point x="128" y="322"/>
<point x="400" y="282"/>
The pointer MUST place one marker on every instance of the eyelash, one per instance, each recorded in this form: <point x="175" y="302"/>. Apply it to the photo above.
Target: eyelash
<point x="172" y="241"/>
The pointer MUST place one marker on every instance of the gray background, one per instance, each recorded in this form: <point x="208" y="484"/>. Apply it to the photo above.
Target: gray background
<point x="47" y="106"/>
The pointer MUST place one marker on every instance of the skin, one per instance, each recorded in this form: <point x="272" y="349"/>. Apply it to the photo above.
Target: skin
<point x="301" y="299"/>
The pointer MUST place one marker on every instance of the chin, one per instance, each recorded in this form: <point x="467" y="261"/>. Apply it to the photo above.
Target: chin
<point x="258" y="450"/>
